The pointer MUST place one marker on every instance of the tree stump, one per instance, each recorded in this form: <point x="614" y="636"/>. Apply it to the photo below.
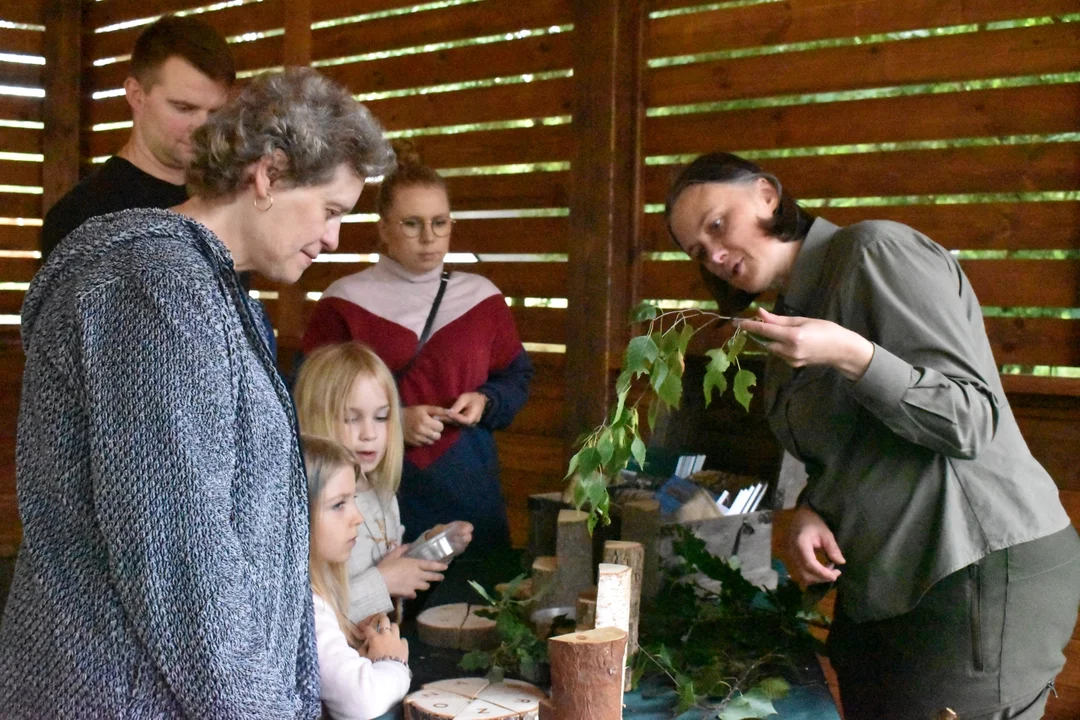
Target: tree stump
<point x="641" y="523"/>
<point x="573" y="550"/>
<point x="543" y="579"/>
<point x="458" y="627"/>
<point x="474" y="699"/>
<point x="586" y="610"/>
<point x="613" y="590"/>
<point x="587" y="675"/>
<point x="632" y="555"/>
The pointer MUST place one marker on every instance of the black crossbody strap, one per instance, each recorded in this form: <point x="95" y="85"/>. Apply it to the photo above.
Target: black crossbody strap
<point x="428" y="324"/>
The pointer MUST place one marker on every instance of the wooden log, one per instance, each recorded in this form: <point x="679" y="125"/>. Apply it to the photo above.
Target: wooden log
<point x="641" y="524"/>
<point x="543" y="579"/>
<point x="573" y="548"/>
<point x="613" y="591"/>
<point x="586" y="609"/>
<point x="632" y="555"/>
<point x="478" y="633"/>
<point x="440" y="626"/>
<point x="587" y="674"/>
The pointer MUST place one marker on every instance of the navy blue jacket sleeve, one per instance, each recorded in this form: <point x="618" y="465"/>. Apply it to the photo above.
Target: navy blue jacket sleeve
<point x="507" y="391"/>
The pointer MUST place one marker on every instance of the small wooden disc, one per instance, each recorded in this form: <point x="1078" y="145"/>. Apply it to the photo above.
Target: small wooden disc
<point x="478" y="700"/>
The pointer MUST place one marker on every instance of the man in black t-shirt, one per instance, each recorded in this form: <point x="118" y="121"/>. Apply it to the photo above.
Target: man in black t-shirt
<point x="181" y="71"/>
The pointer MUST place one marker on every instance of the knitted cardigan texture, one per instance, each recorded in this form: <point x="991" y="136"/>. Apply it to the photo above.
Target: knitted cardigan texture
<point x="163" y="568"/>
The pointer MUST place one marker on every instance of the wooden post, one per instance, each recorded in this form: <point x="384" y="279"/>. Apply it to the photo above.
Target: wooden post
<point x="63" y="99"/>
<point x="573" y="548"/>
<point x="613" y="590"/>
<point x="641" y="524"/>
<point x="585" y="619"/>
<point x="632" y="555"/>
<point x="605" y="199"/>
<point x="586" y="675"/>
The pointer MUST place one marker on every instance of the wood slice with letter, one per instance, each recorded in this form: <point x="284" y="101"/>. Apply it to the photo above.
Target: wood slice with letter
<point x="479" y="700"/>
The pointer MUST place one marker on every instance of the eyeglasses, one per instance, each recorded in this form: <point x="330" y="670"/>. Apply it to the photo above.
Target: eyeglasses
<point x="414" y="227"/>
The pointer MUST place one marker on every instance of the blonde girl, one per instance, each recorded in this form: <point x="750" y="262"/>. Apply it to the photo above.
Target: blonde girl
<point x="346" y="392"/>
<point x="354" y="684"/>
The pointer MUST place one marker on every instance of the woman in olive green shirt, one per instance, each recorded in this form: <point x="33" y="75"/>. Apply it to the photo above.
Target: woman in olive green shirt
<point x="960" y="576"/>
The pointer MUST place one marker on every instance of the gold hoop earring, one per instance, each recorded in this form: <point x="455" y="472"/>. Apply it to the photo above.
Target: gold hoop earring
<point x="255" y="202"/>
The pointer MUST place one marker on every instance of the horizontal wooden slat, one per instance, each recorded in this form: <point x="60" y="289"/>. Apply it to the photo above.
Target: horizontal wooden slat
<point x="495" y="235"/>
<point x="1013" y="168"/>
<point x="10" y="301"/>
<point x="330" y="9"/>
<point x="475" y="62"/>
<point x="801" y="20"/>
<point x="256" y="54"/>
<point x="1034" y="341"/>
<point x="20" y="206"/>
<point x="1025" y="283"/>
<point x="1005" y="283"/>
<point x="100" y="14"/>
<point x="981" y="226"/>
<point x="20" y="108"/>
<point x="490" y="192"/>
<point x="513" y="279"/>
<point x="229" y="21"/>
<point x="16" y="172"/>
<point x="541" y="415"/>
<point x="22" y="42"/>
<point x="546" y="143"/>
<point x="492" y="17"/>
<point x="1001" y="53"/>
<point x="506" y="102"/>
<point x="28" y="12"/>
<point x="20" y="140"/>
<point x="17" y="269"/>
<point x="531" y="452"/>
<point x="1033" y="110"/>
<point x="21" y="74"/>
<point x="543" y="325"/>
<point x="1041" y="385"/>
<point x="16" y="237"/>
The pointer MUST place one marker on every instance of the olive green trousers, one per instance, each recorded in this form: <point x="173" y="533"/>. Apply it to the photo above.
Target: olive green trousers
<point x="985" y="642"/>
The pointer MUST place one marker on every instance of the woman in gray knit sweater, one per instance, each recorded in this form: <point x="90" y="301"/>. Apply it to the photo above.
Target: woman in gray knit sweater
<point x="163" y="570"/>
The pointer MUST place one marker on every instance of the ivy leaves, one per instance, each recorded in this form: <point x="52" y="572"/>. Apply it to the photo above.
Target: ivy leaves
<point x="520" y="651"/>
<point x="658" y="357"/>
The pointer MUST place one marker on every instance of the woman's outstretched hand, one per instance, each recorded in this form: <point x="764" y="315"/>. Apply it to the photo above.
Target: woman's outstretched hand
<point x="800" y="341"/>
<point x="808" y="535"/>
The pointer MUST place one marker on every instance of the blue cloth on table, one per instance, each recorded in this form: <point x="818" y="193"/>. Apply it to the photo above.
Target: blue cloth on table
<point x="807" y="702"/>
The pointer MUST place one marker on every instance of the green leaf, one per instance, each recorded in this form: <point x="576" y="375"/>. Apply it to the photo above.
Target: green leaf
<point x="482" y="592"/>
<point x="735" y="345"/>
<point x="714" y="379"/>
<point x="622" y="385"/>
<point x="475" y="660"/>
<point x="640" y="353"/>
<point x="687" y="695"/>
<point x="671" y="390"/>
<point x="637" y="448"/>
<point x="773" y="687"/>
<point x="658" y="376"/>
<point x="684" y="337"/>
<point x="589" y="460"/>
<point x="718" y="360"/>
<point x="752" y="704"/>
<point x="643" y="312"/>
<point x="573" y="463"/>
<point x="605" y="446"/>
<point x="744" y="379"/>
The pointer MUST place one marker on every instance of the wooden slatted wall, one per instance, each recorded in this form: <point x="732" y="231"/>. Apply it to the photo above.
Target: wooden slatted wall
<point x="21" y="136"/>
<point x="959" y="118"/>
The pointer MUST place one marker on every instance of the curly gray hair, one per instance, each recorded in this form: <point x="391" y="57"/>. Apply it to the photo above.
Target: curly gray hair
<point x="314" y="122"/>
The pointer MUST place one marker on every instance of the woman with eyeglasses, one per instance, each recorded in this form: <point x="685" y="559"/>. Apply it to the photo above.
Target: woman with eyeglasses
<point x="451" y="342"/>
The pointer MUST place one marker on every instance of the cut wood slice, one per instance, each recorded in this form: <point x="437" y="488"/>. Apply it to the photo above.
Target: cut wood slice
<point x="509" y="700"/>
<point x="440" y="626"/>
<point x="428" y="704"/>
<point x="470" y="687"/>
<point x="478" y="633"/>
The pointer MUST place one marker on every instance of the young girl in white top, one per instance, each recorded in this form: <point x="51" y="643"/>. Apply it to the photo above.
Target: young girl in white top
<point x="354" y="684"/>
<point x="346" y="392"/>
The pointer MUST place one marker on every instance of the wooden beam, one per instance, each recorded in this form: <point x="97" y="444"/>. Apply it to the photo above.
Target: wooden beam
<point x="62" y="47"/>
<point x="605" y="211"/>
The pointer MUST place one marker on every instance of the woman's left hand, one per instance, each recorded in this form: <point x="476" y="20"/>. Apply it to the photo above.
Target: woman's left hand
<point x="800" y="341"/>
<point x="468" y="408"/>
